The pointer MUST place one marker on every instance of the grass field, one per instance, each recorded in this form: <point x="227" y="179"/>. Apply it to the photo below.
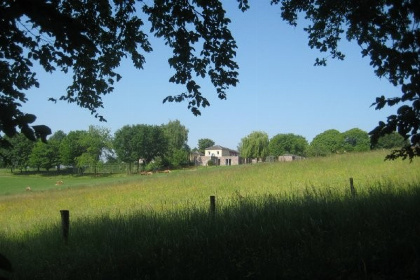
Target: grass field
<point x="274" y="221"/>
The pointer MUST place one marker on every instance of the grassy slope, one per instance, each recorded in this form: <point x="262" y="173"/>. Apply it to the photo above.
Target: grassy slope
<point x="16" y="183"/>
<point x="309" y="225"/>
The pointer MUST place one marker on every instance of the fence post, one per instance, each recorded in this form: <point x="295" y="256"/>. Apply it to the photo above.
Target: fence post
<point x="65" y="224"/>
<point x="212" y="205"/>
<point x="352" y="189"/>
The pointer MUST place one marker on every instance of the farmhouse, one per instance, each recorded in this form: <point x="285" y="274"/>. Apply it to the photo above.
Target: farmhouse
<point x="218" y="155"/>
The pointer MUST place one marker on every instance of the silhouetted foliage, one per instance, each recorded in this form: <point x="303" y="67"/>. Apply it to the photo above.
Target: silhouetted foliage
<point x="90" y="38"/>
<point x="61" y="35"/>
<point x="388" y="33"/>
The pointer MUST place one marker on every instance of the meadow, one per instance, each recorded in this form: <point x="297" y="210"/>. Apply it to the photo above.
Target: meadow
<point x="294" y="220"/>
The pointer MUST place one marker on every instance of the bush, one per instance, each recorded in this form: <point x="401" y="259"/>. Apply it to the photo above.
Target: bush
<point x="155" y="164"/>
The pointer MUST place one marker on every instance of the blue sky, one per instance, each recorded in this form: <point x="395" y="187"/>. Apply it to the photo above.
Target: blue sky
<point x="280" y="91"/>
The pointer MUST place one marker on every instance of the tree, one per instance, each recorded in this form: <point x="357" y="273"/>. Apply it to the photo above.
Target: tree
<point x="197" y="31"/>
<point x="177" y="147"/>
<point x="388" y="33"/>
<point x="47" y="155"/>
<point x="176" y="133"/>
<point x="96" y="143"/>
<point x="71" y="147"/>
<point x="179" y="157"/>
<point x="390" y="141"/>
<point x="54" y="143"/>
<point x="255" y="145"/>
<point x="139" y="142"/>
<point x="18" y="154"/>
<point x="153" y="142"/>
<point x="326" y="143"/>
<point x="290" y="143"/>
<point x="38" y="155"/>
<point x="126" y="146"/>
<point x="91" y="50"/>
<point x="356" y="140"/>
<point x="204" y="143"/>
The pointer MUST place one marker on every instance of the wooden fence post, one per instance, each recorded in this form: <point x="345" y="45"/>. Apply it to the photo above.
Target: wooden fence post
<point x="352" y="189"/>
<point x="212" y="205"/>
<point x="65" y="224"/>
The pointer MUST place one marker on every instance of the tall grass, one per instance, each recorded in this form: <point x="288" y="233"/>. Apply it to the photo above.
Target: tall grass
<point x="274" y="221"/>
<point x="319" y="236"/>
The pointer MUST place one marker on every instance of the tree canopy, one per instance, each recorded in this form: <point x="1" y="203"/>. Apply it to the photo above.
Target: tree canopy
<point x="62" y="36"/>
<point x="204" y="143"/>
<point x="328" y="142"/>
<point x="203" y="47"/>
<point x="255" y="145"/>
<point x="289" y="143"/>
<point x="390" y="141"/>
<point x="388" y="33"/>
<point x="140" y="142"/>
<point x="356" y="140"/>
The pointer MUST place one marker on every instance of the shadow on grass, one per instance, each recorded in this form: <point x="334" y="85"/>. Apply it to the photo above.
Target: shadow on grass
<point x="321" y="235"/>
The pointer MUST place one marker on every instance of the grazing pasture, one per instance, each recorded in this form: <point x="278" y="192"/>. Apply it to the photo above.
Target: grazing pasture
<point x="293" y="220"/>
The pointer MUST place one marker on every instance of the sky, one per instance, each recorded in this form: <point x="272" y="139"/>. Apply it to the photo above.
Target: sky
<point x="280" y="91"/>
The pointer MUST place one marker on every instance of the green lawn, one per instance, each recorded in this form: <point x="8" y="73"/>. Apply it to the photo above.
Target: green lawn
<point x="273" y="221"/>
<point x="16" y="183"/>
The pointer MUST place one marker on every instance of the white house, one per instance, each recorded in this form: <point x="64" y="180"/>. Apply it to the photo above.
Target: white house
<point x="219" y="156"/>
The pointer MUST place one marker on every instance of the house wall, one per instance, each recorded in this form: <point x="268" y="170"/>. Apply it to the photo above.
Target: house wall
<point x="222" y="161"/>
<point x="217" y="153"/>
<point x="290" y="158"/>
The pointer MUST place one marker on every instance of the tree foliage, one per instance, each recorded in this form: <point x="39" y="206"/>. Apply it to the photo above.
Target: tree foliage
<point x="96" y="142"/>
<point x="289" y="143"/>
<point x="388" y="33"/>
<point x="126" y="145"/>
<point x="71" y="147"/>
<point x="39" y="156"/>
<point x="88" y="39"/>
<point x="178" y="150"/>
<point x="356" y="140"/>
<point x="332" y="142"/>
<point x="204" y="143"/>
<point x="255" y="145"/>
<point x="390" y="141"/>
<point x="18" y="155"/>
<point x="61" y="36"/>
<point x="54" y="142"/>
<point x="326" y="143"/>
<point x="176" y="134"/>
<point x="140" y="142"/>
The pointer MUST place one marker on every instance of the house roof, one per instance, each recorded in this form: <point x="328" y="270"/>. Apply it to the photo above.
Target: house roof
<point x="218" y="147"/>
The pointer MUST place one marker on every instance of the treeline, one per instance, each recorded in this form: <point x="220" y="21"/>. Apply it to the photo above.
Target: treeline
<point x="153" y="147"/>
<point x="258" y="145"/>
<point x="148" y="146"/>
